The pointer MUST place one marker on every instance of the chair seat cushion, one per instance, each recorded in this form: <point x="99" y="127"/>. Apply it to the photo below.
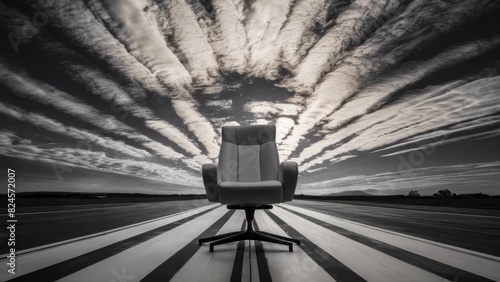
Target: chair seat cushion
<point x="261" y="192"/>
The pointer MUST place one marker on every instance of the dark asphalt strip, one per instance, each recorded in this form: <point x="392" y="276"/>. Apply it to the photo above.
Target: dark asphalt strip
<point x="433" y="266"/>
<point x="167" y="270"/>
<point x="65" y="268"/>
<point x="264" y="273"/>
<point x="238" y="259"/>
<point x="331" y="265"/>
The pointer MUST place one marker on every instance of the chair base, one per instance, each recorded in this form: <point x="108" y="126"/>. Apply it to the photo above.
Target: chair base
<point x="249" y="233"/>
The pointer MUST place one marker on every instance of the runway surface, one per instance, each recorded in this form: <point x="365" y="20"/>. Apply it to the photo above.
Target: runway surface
<point x="157" y="241"/>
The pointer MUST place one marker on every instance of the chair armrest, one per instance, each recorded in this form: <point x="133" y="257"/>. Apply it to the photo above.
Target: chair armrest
<point x="209" y="173"/>
<point x="288" y="175"/>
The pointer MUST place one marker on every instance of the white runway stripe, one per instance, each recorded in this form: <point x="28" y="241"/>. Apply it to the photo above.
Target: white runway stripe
<point x="370" y="264"/>
<point x="47" y="255"/>
<point x="143" y="258"/>
<point x="284" y="265"/>
<point x="140" y="260"/>
<point x="154" y="223"/>
<point x="213" y="266"/>
<point x="471" y="261"/>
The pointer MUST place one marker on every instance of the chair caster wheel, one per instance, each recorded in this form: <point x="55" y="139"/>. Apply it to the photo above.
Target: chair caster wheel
<point x="290" y="248"/>
<point x="211" y="248"/>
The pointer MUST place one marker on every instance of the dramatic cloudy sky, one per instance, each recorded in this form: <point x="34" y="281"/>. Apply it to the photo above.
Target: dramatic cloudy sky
<point x="382" y="96"/>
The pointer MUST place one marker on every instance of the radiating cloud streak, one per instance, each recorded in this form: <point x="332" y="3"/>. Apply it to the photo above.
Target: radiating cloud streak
<point x="178" y="21"/>
<point x="263" y="24"/>
<point x="122" y="103"/>
<point x="87" y="138"/>
<point x="127" y="21"/>
<point x="470" y="101"/>
<point x="74" y="157"/>
<point x="367" y="121"/>
<point x="42" y="93"/>
<point x="427" y="145"/>
<point x="352" y="27"/>
<point x="297" y="35"/>
<point x="173" y="133"/>
<point x="197" y="124"/>
<point x="228" y="38"/>
<point x="365" y="60"/>
<point x="29" y="88"/>
<point x="373" y="96"/>
<point x="74" y="22"/>
<point x="442" y="136"/>
<point x="89" y="32"/>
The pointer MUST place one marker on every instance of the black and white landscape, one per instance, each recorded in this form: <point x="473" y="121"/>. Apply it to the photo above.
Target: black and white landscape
<point x="109" y="108"/>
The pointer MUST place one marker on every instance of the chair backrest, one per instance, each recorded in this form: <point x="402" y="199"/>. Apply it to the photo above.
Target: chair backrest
<point x="248" y="153"/>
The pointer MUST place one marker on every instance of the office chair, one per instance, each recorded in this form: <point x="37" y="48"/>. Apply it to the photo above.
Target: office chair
<point x="249" y="177"/>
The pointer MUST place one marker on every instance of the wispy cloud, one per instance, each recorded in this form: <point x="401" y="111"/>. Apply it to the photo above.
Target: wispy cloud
<point x="336" y="138"/>
<point x="228" y="37"/>
<point x="144" y="66"/>
<point x="178" y="23"/>
<point x="297" y="35"/>
<point x="375" y="55"/>
<point x="352" y="27"/>
<point x="92" y="160"/>
<point x="173" y="133"/>
<point x="263" y="24"/>
<point x="470" y="101"/>
<point x="123" y="104"/>
<point x="197" y="124"/>
<point x="443" y="136"/>
<point x="130" y="25"/>
<point x="24" y="86"/>
<point x="89" y="139"/>
<point x="373" y="97"/>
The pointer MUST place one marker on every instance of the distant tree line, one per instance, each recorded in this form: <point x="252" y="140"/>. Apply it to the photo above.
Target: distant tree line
<point x="447" y="194"/>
